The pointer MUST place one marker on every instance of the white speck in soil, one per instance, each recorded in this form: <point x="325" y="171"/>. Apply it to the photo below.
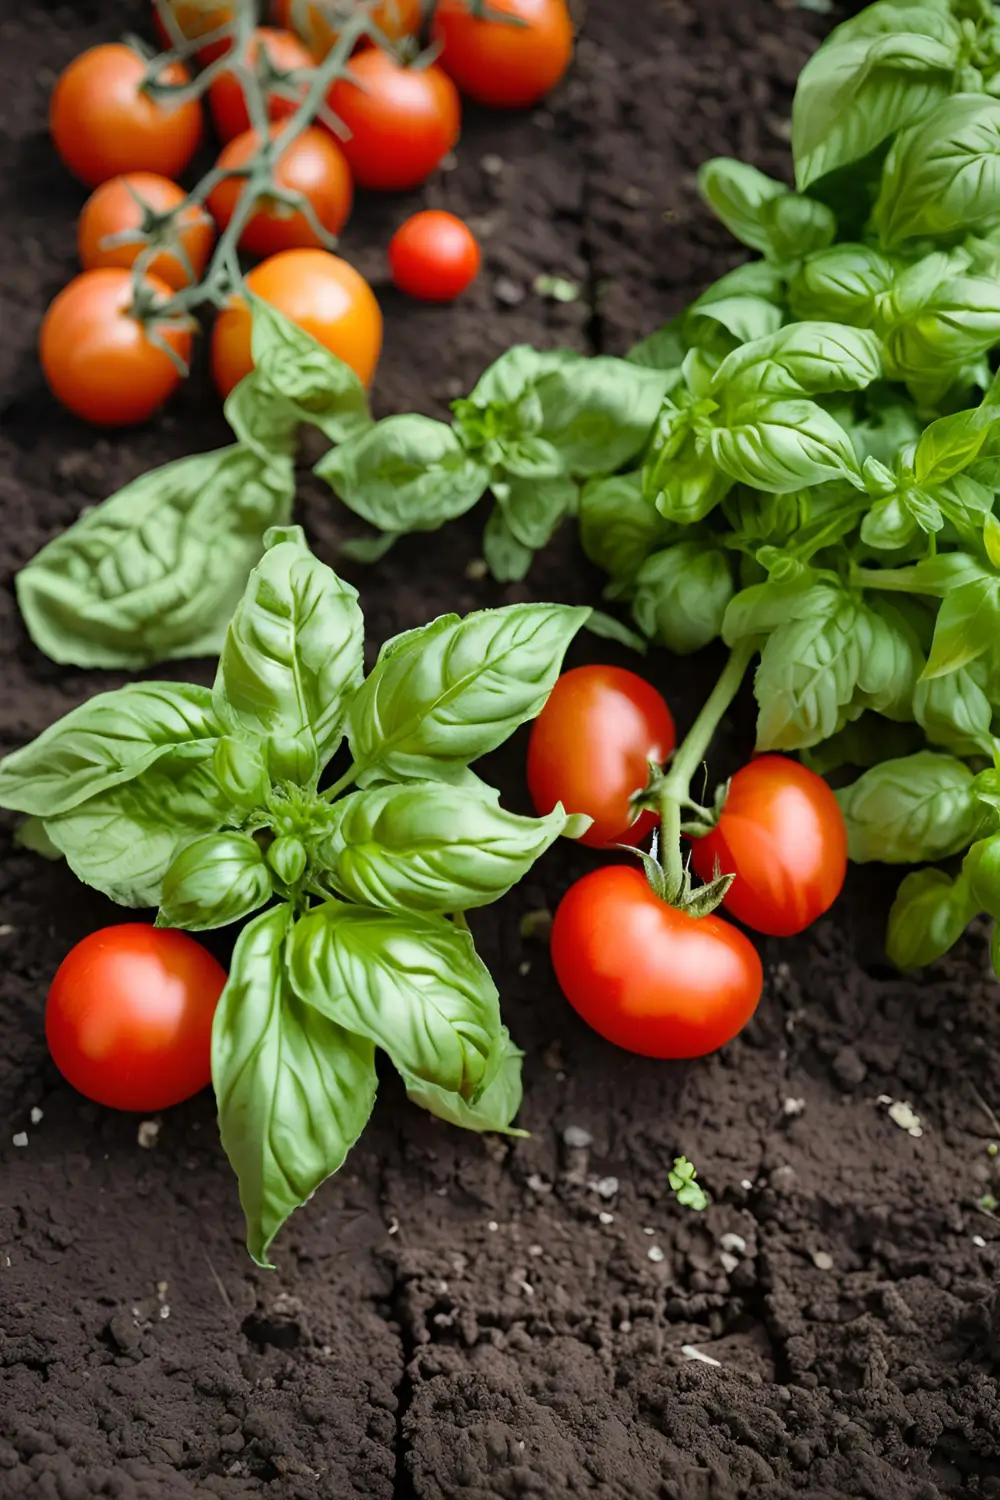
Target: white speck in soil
<point x="605" y="1217"/>
<point x="902" y="1113"/>
<point x="646" y="1229"/>
<point x="6" y="930"/>
<point x="690" y="1352"/>
<point x="448" y="163"/>
<point x="527" y="1288"/>
<point x="493" y="1226"/>
<point x="624" y="1326"/>
<point x="20" y="1139"/>
<point x="37" y="1115"/>
<point x="577" y="1138"/>
<point x="165" y="1312"/>
<point x="729" y="1262"/>
<point x="491" y="164"/>
<point x="735" y="1244"/>
<point x="604" y="1187"/>
<point x="655" y="1254"/>
<point x="393" y="1225"/>
<point x="476" y="568"/>
<point x="147" y="1134"/>
<point x="534" y="1249"/>
<point x="823" y="1260"/>
<point x="538" y="1184"/>
<point x="508" y="293"/>
<point x="524" y="969"/>
<point x="746" y="1185"/>
<point x="979" y="1242"/>
<point x="793" y="1107"/>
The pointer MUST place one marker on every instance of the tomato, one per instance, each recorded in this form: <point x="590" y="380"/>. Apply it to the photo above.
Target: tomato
<point x="99" y="361"/>
<point x="123" y="203"/>
<point x="195" y="18"/>
<point x="318" y="22"/>
<point x="434" y="256"/>
<point x="225" y="96"/>
<point x="312" y="165"/>
<point x="129" y="1016"/>
<point x="498" y="63"/>
<point x="318" y="291"/>
<point x="402" y="120"/>
<point x="782" y="834"/>
<point x="103" y="123"/>
<point x="648" y="977"/>
<point x="590" y="749"/>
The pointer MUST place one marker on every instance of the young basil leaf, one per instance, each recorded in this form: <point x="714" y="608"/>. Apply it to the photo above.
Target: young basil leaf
<point x="968" y="624"/>
<point x="783" y="445"/>
<point x="507" y="559"/>
<point x="405" y="473"/>
<point x="430" y="847"/>
<point x="107" y="740"/>
<point x="663" y="350"/>
<point x="744" y="318"/>
<point x="844" y="283"/>
<point x="981" y="869"/>
<point x="529" y="457"/>
<point x="801" y="359"/>
<point x="928" y="916"/>
<point x="750" y="205"/>
<point x="240" y="768"/>
<point x="955" y="712"/>
<point x="619" y="526"/>
<point x="907" y="811"/>
<point x="951" y="444"/>
<point x="294" y="1089"/>
<point x="31" y="835"/>
<point x="292" y="657"/>
<point x="156" y="571"/>
<point x="942" y="176"/>
<point x="930" y="333"/>
<point x="292" y="365"/>
<point x="444" y="695"/>
<point x="415" y="987"/>
<point x="533" y="509"/>
<point x="508" y="377"/>
<point x="763" y="607"/>
<point x="493" y="1111"/>
<point x="598" y="413"/>
<point x="681" y="595"/>
<point x="214" y="880"/>
<point x="610" y="628"/>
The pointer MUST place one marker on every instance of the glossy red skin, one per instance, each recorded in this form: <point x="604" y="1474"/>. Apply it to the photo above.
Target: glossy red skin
<point x="647" y="977"/>
<point x="225" y="96"/>
<point x="402" y="120"/>
<point x="129" y="1016"/>
<point x="499" y="64"/>
<point x="312" y="165"/>
<point x="590" y="749"/>
<point x="434" y="256"/>
<point x="782" y="833"/>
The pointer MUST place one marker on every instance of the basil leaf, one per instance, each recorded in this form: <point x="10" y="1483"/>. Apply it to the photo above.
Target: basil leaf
<point x="801" y="359"/>
<point x="952" y="443"/>
<point x="429" y="847"/>
<point x="291" y="364"/>
<point x="109" y="739"/>
<point x="929" y="915"/>
<point x="405" y="473"/>
<point x="493" y="1111"/>
<point x="942" y="176"/>
<point x="744" y="318"/>
<point x="531" y="458"/>
<point x="213" y="881"/>
<point x="955" y="712"/>
<point x="758" y="610"/>
<point x="508" y="378"/>
<point x="156" y="571"/>
<point x="968" y="624"/>
<point x="444" y="695"/>
<point x="681" y="595"/>
<point x="599" y="412"/>
<point x="31" y="835"/>
<point x="292" y="657"/>
<point x="843" y="283"/>
<point x="916" y="809"/>
<point x="533" y="509"/>
<point x="619" y="527"/>
<point x="265" y="423"/>
<point x="414" y="987"/>
<point x="294" y="1090"/>
<point x="864" y="742"/>
<point x="663" y="350"/>
<point x="981" y="870"/>
<point x="610" y="628"/>
<point x="757" y="210"/>
<point x="507" y="559"/>
<point x="783" y="446"/>
<point x="931" y="334"/>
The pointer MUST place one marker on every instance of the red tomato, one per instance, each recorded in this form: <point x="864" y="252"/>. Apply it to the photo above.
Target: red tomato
<point x="318" y="291"/>
<point x="129" y="1016"/>
<point x="120" y="204"/>
<point x="500" y="64"/>
<point x="648" y="977"/>
<point x="103" y="123"/>
<point x="195" y="18"/>
<point x="318" y="22"/>
<point x="313" y="166"/>
<point x="434" y="256"/>
<point x="226" y="99"/>
<point x="782" y="834"/>
<point x="590" y="749"/>
<point x="402" y="120"/>
<point x="98" y="359"/>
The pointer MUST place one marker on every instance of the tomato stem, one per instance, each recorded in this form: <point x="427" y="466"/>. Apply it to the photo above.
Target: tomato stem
<point x="349" y="777"/>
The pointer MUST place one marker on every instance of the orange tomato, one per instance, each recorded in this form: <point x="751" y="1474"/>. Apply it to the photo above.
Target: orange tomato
<point x="226" y="99"/>
<point x="99" y="360"/>
<point x="103" y="123"/>
<point x="195" y="18"/>
<point x="312" y="165"/>
<point x="318" y="22"/>
<point x="126" y="204"/>
<point x="402" y="120"/>
<point x="318" y="291"/>
<point x="500" y="64"/>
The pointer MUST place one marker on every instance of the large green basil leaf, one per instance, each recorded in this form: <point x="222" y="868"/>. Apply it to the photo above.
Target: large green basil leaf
<point x="292" y="658"/>
<point x="942" y="176"/>
<point x="496" y="1106"/>
<point x="405" y="473"/>
<point x="955" y="711"/>
<point x="742" y="318"/>
<point x="214" y="880"/>
<point x="415" y="987"/>
<point x="619" y="526"/>
<point x="681" y="595"/>
<point x="294" y="1089"/>
<point x="843" y="283"/>
<point x="801" y="359"/>
<point x="922" y="808"/>
<point x="784" y="446"/>
<point x="936" y="334"/>
<point x="534" y="508"/>
<point x="156" y="571"/>
<point x="107" y="740"/>
<point x="691" y="486"/>
<point x="928" y="916"/>
<point x="506" y="380"/>
<point x="599" y="412"/>
<point x="968" y="625"/>
<point x="763" y="213"/>
<point x="951" y="444"/>
<point x="443" y="695"/>
<point x="295" y="367"/>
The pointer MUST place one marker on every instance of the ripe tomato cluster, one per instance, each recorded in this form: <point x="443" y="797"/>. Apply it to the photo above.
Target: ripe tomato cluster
<point x="117" y="341"/>
<point x="645" y="972"/>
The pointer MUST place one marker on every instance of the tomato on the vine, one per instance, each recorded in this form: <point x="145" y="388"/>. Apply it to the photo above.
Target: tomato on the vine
<point x="648" y="977"/>
<point x="434" y="256"/>
<point x="319" y="22"/>
<point x="318" y="291"/>
<point x="591" y="747"/>
<point x="129" y="1016"/>
<point x="402" y="120"/>
<point x="312" y="165"/>
<point x="123" y="204"/>
<point x="782" y="834"/>
<point x="195" y="18"/>
<point x="99" y="359"/>
<point x="226" y="98"/>
<point x="497" y="62"/>
<point x="103" y="122"/>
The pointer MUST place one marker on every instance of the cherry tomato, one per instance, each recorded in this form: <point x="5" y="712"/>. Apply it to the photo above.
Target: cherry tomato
<point x="318" y="22"/>
<point x="648" y="977"/>
<point x="500" y="64"/>
<point x="226" y="98"/>
<point x="103" y="123"/>
<point x="318" y="291"/>
<point x="434" y="256"/>
<point x="312" y="165"/>
<point x="124" y="203"/>
<point x="129" y="1016"/>
<point x="99" y="360"/>
<point x="590" y="749"/>
<point x="782" y="834"/>
<point x="195" y="18"/>
<point x="402" y="120"/>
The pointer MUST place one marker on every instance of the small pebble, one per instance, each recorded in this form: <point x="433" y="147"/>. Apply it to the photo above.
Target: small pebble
<point x="604" y="1187"/>
<point x="577" y="1138"/>
<point x="491" y="164"/>
<point x="690" y="1352"/>
<point x="605" y="1218"/>
<point x="655" y="1254"/>
<point x="729" y="1262"/>
<point x="794" y="1107"/>
<point x="524" y="969"/>
<point x="647" y="1230"/>
<point x="903" y="1114"/>
<point x="979" y="1242"/>
<point x="164" y="1312"/>
<point x="147" y="1133"/>
<point x="538" y="1184"/>
<point x="36" y="1115"/>
<point x="822" y="1260"/>
<point x="476" y="568"/>
<point x="746" y="1185"/>
<point x="493" y="1226"/>
<point x="20" y="1139"/>
<point x="534" y="1249"/>
<point x="508" y="292"/>
<point x="735" y="1244"/>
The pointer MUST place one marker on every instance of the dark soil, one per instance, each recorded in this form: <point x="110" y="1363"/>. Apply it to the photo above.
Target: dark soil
<point x="457" y="1317"/>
